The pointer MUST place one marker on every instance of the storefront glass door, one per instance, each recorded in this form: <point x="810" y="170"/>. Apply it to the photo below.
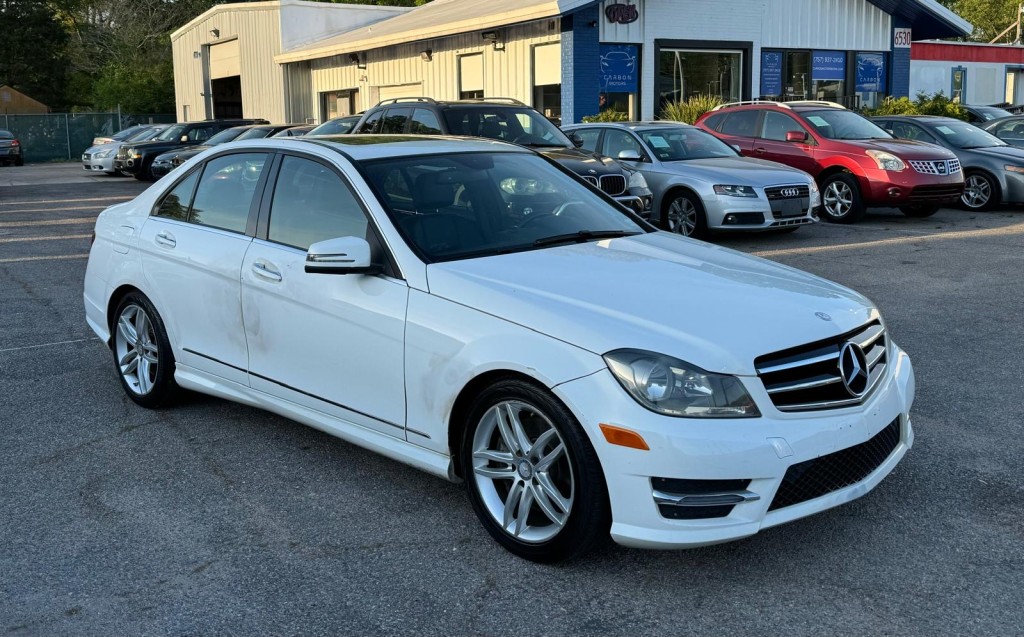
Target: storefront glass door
<point x="683" y="74"/>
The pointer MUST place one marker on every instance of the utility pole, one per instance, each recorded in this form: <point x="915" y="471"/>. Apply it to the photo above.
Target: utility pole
<point x="1016" y="25"/>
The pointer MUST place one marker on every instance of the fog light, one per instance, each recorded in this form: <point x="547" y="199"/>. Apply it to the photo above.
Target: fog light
<point x="130" y="163"/>
<point x="729" y="219"/>
<point x="895" y="192"/>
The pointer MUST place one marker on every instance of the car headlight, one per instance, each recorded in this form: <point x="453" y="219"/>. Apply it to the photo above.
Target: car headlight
<point x="886" y="161"/>
<point x="103" y="154"/>
<point x="672" y="387"/>
<point x="735" y="191"/>
<point x="636" y="180"/>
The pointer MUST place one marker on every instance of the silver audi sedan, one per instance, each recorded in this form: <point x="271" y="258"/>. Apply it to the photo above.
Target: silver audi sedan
<point x="700" y="183"/>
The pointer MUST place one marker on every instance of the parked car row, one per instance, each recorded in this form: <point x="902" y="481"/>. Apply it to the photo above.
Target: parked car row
<point x="11" y="151"/>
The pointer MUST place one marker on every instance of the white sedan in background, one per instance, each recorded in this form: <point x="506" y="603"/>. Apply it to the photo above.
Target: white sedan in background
<point x="700" y="183"/>
<point x="100" y="158"/>
<point x="476" y="311"/>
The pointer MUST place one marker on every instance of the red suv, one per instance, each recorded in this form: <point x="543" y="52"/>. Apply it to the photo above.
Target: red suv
<point x="856" y="163"/>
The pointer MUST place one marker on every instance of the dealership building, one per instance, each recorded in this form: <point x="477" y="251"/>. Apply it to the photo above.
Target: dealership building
<point x="296" y="61"/>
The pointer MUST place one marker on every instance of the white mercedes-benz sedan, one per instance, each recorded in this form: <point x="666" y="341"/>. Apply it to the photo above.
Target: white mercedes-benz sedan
<point x="474" y="310"/>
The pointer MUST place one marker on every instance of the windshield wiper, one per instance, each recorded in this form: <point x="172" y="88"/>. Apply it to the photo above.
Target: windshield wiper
<point x="583" y="236"/>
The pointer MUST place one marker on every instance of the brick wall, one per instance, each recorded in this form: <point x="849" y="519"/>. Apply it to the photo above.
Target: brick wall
<point x="580" y="64"/>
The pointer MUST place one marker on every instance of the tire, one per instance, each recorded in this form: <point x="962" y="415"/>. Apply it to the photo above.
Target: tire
<point x="154" y="386"/>
<point x="841" y="199"/>
<point x="920" y="210"/>
<point x="20" y="161"/>
<point x="981" y="192"/>
<point x="572" y="512"/>
<point x="145" y="172"/>
<point x="683" y="213"/>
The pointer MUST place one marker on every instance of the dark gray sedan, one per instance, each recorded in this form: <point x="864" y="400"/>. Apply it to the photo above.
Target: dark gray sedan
<point x="993" y="169"/>
<point x="1009" y="129"/>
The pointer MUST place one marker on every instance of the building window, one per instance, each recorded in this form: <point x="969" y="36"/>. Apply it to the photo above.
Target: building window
<point x="822" y="75"/>
<point x="471" y="76"/>
<point x="685" y="73"/>
<point x="958" y="84"/>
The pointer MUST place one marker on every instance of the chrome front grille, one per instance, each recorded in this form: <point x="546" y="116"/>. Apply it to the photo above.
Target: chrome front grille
<point x="122" y="153"/>
<point x="936" y="167"/>
<point x="788" y="192"/>
<point x="827" y="374"/>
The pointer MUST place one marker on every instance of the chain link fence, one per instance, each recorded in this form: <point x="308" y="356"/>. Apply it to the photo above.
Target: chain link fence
<point x="64" y="136"/>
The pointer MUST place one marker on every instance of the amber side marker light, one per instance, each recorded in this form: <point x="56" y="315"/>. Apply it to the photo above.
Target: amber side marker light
<point x="623" y="437"/>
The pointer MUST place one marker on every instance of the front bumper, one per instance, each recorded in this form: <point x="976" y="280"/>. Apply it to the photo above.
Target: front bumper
<point x="760" y="450"/>
<point x="103" y="164"/>
<point x="883" y="188"/>
<point x="636" y="204"/>
<point x="753" y="214"/>
<point x="161" y="168"/>
<point x="130" y="165"/>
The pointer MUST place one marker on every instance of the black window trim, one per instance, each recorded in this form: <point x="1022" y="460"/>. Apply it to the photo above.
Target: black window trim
<point x="261" y="227"/>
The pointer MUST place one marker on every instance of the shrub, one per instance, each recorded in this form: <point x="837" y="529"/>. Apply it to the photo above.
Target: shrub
<point x="924" y="104"/>
<point x="606" y="116"/>
<point x="690" y="110"/>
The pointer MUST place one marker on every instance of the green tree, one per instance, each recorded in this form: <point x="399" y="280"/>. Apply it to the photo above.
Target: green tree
<point x="32" y="50"/>
<point x="989" y="17"/>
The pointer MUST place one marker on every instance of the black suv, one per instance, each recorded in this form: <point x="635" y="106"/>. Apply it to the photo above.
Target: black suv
<point x="137" y="159"/>
<point x="512" y="121"/>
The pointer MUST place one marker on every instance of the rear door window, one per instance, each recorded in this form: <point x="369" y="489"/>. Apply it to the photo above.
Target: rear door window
<point x="225" y="191"/>
<point x="395" y="120"/>
<point x="424" y="122"/>
<point x="176" y="203"/>
<point x="741" y="123"/>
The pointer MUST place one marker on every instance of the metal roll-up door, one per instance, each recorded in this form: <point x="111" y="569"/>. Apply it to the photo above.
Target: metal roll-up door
<point x="225" y="60"/>
<point x="400" y="90"/>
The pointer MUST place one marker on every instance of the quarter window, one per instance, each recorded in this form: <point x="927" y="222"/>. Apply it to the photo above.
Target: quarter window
<point x="225" y="191"/>
<point x="312" y="203"/>
<point x="176" y="203"/>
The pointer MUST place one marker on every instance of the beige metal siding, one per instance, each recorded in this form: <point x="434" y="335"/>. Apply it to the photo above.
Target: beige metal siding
<point x="258" y="33"/>
<point x="507" y="73"/>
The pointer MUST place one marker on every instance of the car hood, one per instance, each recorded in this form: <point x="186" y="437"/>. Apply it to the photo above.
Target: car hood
<point x="739" y="170"/>
<point x="903" y="148"/>
<point x="155" y="145"/>
<point x="183" y="153"/>
<point x="92" y="150"/>
<point x="1007" y="153"/>
<point x="582" y="162"/>
<point x="710" y="306"/>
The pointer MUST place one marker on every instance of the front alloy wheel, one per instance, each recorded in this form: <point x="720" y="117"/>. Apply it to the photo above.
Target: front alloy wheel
<point x="684" y="215"/>
<point x="978" y="191"/>
<point x="532" y="475"/>
<point x="841" y="199"/>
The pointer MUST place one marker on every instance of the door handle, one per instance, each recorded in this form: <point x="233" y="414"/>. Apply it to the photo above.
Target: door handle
<point x="165" y="239"/>
<point x="267" y="271"/>
<point x="760" y="150"/>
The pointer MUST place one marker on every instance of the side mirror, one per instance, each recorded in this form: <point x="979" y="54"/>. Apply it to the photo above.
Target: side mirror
<point x="890" y="131"/>
<point x="736" y="147"/>
<point x="184" y="139"/>
<point x="344" y="255"/>
<point x="576" y="140"/>
<point x="629" y="155"/>
<point x="796" y="136"/>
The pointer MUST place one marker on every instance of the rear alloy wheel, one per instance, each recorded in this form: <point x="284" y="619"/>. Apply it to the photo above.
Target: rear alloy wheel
<point x="684" y="215"/>
<point x="919" y="210"/>
<point x="841" y="201"/>
<point x="980" y="192"/>
<point x="142" y="352"/>
<point x="532" y="475"/>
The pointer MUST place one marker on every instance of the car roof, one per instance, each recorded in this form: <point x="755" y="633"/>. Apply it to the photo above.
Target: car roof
<point x="933" y="119"/>
<point x="634" y="126"/>
<point x="369" y="147"/>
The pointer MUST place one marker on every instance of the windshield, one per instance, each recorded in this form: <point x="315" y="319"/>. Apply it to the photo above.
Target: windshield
<point x="458" y="206"/>
<point x="174" y="132"/>
<point x="680" y="143"/>
<point x="837" y="124"/>
<point x="991" y="112"/>
<point x="6" y="134"/>
<point x="523" y="126"/>
<point x="225" y="136"/>
<point x="335" y="127"/>
<point x="963" y="135"/>
<point x="140" y="134"/>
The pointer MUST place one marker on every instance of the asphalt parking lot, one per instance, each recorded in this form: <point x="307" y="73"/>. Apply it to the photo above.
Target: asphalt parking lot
<point x="215" y="518"/>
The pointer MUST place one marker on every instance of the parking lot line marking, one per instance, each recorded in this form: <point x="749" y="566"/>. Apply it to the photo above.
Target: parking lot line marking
<point x="48" y="222"/>
<point x="59" y="257"/>
<point x="42" y="201"/>
<point x="77" y="340"/>
<point x="961" y="234"/>
<point x="17" y="210"/>
<point x="53" y="238"/>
